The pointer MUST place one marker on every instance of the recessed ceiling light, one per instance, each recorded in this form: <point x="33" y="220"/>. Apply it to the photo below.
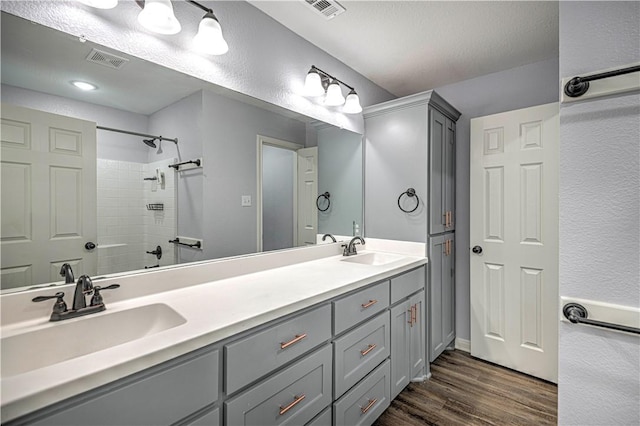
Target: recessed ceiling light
<point x="83" y="85"/>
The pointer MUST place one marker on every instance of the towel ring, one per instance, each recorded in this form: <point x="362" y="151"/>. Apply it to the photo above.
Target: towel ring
<point x="409" y="193"/>
<point x="326" y="196"/>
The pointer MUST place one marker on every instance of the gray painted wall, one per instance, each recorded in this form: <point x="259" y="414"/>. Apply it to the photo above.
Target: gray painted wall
<point x="340" y="173"/>
<point x="277" y="197"/>
<point x="599" y="215"/>
<point x="521" y="87"/>
<point x="265" y="59"/>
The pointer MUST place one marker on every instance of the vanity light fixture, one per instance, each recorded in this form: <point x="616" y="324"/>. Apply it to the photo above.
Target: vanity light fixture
<point x="209" y="38"/>
<point x="83" y="85"/>
<point x="157" y="16"/>
<point x="319" y="82"/>
<point x="101" y="4"/>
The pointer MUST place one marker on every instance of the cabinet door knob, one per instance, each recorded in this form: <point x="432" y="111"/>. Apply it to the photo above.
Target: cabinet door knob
<point x="90" y="245"/>
<point x="477" y="250"/>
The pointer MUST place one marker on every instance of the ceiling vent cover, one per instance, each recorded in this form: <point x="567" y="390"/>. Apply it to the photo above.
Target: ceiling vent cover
<point x="327" y="8"/>
<point x="106" y="59"/>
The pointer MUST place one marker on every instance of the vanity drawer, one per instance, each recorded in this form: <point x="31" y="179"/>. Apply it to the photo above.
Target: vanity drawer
<point x="358" y="352"/>
<point x="359" y="306"/>
<point x="256" y="355"/>
<point x="406" y="284"/>
<point x="293" y="396"/>
<point x="363" y="404"/>
<point x="159" y="398"/>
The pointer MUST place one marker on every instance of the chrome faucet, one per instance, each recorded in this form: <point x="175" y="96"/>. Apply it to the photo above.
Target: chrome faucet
<point x="67" y="273"/>
<point x="350" y="249"/>
<point x="83" y="286"/>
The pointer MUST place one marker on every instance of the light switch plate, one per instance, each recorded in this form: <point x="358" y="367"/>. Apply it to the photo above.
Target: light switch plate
<point x="246" y="201"/>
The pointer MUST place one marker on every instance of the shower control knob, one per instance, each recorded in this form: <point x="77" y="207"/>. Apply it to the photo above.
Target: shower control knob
<point x="477" y="250"/>
<point x="90" y="245"/>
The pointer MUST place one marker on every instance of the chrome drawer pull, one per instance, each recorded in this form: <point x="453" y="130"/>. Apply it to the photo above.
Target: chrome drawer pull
<point x="298" y="337"/>
<point x="369" y="349"/>
<point x="371" y="303"/>
<point x="293" y="404"/>
<point x="368" y="407"/>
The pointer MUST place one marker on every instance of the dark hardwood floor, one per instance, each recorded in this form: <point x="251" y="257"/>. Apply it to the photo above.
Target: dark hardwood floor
<point x="467" y="391"/>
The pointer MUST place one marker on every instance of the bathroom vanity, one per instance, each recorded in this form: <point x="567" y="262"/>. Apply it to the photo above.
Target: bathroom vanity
<point x="300" y="337"/>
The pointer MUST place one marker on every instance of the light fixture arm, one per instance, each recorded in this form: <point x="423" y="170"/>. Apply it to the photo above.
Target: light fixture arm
<point x="326" y="74"/>
<point x="195" y="3"/>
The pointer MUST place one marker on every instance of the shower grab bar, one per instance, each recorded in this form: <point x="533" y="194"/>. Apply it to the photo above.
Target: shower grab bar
<point x="578" y="86"/>
<point x="577" y="314"/>
<point x="128" y="132"/>
<point x="177" y="241"/>
<point x="177" y="165"/>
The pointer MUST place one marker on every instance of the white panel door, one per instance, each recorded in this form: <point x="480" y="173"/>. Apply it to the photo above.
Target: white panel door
<point x="307" y="194"/>
<point x="48" y="196"/>
<point x="514" y="221"/>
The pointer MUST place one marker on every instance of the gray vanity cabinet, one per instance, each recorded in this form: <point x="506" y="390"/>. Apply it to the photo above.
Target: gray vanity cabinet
<point x="441" y="294"/>
<point x="161" y="395"/>
<point x="407" y="342"/>
<point x="441" y="173"/>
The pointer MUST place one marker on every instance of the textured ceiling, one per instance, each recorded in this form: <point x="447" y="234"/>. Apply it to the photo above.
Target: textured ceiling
<point x="411" y="46"/>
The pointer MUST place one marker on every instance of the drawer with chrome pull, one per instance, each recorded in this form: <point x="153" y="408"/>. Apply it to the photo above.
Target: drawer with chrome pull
<point x="295" y="395"/>
<point x="358" y="352"/>
<point x="256" y="355"/>
<point x="359" y="306"/>
<point x="363" y="404"/>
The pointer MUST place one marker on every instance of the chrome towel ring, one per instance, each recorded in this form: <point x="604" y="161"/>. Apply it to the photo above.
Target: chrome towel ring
<point x="409" y="193"/>
<point x="326" y="196"/>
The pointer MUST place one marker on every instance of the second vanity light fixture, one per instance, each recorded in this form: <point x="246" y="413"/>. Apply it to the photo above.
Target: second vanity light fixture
<point x="157" y="16"/>
<point x="320" y="83"/>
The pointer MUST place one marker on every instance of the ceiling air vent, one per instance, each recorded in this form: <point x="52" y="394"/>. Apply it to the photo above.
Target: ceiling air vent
<point x="106" y="59"/>
<point x="327" y="8"/>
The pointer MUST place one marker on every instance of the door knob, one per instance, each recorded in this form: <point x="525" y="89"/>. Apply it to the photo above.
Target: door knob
<point x="89" y="246"/>
<point x="477" y="250"/>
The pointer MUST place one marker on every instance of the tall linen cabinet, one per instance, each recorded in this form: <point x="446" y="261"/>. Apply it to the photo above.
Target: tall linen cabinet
<point x="410" y="149"/>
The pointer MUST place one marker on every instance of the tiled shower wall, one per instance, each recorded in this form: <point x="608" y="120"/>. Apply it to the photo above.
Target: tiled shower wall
<point x="126" y="229"/>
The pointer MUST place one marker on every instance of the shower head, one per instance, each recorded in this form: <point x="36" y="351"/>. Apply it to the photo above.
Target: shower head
<point x="150" y="142"/>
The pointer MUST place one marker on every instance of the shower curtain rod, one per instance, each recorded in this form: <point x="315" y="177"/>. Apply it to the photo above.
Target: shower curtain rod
<point x="110" y="129"/>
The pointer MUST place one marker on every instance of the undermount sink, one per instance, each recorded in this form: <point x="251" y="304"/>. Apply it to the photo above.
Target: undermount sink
<point x="374" y="259"/>
<point x="58" y="342"/>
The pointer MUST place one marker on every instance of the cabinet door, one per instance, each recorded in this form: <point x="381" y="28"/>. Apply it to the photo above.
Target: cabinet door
<point x="449" y="177"/>
<point x="448" y="292"/>
<point x="441" y="294"/>
<point x="400" y="349"/>
<point x="416" y="336"/>
<point x="437" y="148"/>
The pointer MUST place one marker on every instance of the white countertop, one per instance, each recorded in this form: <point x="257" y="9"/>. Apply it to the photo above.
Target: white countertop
<point x="213" y="311"/>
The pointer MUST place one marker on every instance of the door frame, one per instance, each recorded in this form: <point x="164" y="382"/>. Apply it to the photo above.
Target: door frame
<point x="278" y="143"/>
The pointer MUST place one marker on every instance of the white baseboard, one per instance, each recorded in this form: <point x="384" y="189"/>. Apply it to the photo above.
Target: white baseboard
<point x="463" y="345"/>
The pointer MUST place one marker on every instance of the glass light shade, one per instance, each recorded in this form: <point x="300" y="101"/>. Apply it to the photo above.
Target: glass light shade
<point x="334" y="95"/>
<point x="209" y="38"/>
<point x="352" y="104"/>
<point x="313" y="84"/>
<point x="100" y="4"/>
<point x="157" y="16"/>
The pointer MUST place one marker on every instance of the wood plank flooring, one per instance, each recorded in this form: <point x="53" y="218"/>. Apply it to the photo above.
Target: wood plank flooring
<point x="467" y="391"/>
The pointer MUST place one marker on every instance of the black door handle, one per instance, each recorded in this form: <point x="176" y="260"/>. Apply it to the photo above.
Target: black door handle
<point x="89" y="245"/>
<point x="477" y="250"/>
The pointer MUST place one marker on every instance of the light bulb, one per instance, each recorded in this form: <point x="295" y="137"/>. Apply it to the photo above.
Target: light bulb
<point x="313" y="84"/>
<point x="334" y="95"/>
<point x="100" y="4"/>
<point x="83" y="85"/>
<point x="209" y="38"/>
<point x="157" y="16"/>
<point x="352" y="104"/>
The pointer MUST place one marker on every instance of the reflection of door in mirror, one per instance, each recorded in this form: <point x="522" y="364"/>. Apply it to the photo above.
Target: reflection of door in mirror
<point x="48" y="196"/>
<point x="287" y="182"/>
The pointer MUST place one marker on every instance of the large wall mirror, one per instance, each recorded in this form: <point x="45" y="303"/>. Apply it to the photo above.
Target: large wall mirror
<point x="106" y="200"/>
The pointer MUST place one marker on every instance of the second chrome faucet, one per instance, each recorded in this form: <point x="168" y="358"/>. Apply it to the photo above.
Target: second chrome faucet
<point x="350" y="249"/>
